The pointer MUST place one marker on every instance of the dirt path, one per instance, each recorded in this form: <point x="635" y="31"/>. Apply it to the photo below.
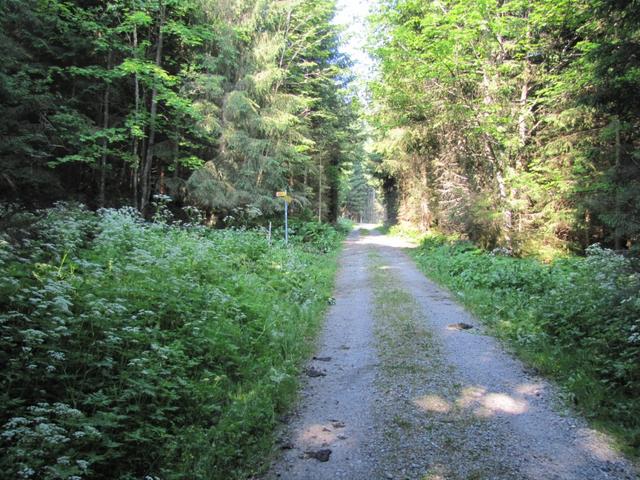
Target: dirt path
<point x="399" y="390"/>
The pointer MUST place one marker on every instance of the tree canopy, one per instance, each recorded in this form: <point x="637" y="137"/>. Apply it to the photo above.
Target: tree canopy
<point x="216" y="103"/>
<point x="511" y="122"/>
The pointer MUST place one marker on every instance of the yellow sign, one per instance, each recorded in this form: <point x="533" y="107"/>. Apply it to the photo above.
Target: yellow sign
<point x="284" y="196"/>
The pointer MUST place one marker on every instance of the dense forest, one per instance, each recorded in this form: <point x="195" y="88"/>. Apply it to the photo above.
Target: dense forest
<point x="218" y="104"/>
<point x="515" y="123"/>
<point x="153" y="322"/>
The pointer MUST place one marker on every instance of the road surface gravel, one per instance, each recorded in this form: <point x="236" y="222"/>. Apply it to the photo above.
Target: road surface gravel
<point x="405" y="392"/>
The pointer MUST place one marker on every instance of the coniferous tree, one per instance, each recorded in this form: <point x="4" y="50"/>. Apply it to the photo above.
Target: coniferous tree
<point x="215" y="103"/>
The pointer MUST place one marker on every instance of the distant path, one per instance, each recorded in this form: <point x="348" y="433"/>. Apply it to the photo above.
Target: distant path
<point x="399" y="389"/>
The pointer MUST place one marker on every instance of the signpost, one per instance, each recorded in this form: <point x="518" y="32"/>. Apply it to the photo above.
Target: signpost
<point x="286" y="199"/>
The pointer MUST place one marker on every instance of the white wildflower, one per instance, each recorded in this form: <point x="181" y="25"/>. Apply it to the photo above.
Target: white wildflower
<point x="56" y="355"/>
<point x="26" y="472"/>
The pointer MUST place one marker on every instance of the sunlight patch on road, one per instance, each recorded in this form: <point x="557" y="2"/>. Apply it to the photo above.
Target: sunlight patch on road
<point x="470" y="396"/>
<point x="432" y="403"/>
<point x="530" y="389"/>
<point x="487" y="404"/>
<point x="318" y="435"/>
<point x="385" y="241"/>
<point x="597" y="443"/>
<point x="502" y="403"/>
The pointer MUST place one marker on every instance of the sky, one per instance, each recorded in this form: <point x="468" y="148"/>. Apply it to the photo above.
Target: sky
<point x="352" y="14"/>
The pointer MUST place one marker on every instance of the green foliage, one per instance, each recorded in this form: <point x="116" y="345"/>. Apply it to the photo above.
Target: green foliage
<point x="317" y="236"/>
<point x="356" y="195"/>
<point x="403" y="230"/>
<point x="511" y="122"/>
<point x="344" y="225"/>
<point x="236" y="99"/>
<point x="575" y="319"/>
<point x="137" y="350"/>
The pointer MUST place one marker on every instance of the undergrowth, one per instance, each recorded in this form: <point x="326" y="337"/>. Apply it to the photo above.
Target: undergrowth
<point x="575" y="319"/>
<point x="136" y="350"/>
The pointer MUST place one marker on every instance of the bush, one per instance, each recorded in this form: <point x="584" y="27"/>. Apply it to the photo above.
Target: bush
<point x="344" y="225"/>
<point x="132" y="350"/>
<point x="404" y="230"/>
<point x="316" y="236"/>
<point x="577" y="319"/>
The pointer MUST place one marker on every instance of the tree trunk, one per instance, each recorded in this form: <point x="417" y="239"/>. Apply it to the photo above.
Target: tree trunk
<point x="502" y="190"/>
<point x="146" y="170"/>
<point x="333" y="207"/>
<point x="136" y="142"/>
<point x="320" y="192"/>
<point x="135" y="173"/>
<point x="616" y="232"/>
<point x="587" y="228"/>
<point x="523" y="131"/>
<point x="497" y="167"/>
<point x="522" y="117"/>
<point x="284" y="49"/>
<point x="305" y="179"/>
<point x="105" y="125"/>
<point x="176" y="156"/>
<point x="390" y="189"/>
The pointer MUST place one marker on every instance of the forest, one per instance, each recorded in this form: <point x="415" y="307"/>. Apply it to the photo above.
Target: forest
<point x="153" y="322"/>
<point x="515" y="123"/>
<point x="217" y="104"/>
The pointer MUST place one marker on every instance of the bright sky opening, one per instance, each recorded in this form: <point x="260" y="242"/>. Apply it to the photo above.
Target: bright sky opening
<point x="353" y="15"/>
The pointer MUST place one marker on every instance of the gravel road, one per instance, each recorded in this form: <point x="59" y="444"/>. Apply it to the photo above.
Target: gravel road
<point x="405" y="385"/>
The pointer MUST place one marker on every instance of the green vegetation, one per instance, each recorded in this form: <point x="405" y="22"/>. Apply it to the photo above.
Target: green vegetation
<point x="575" y="319"/>
<point x="166" y="349"/>
<point x="511" y="122"/>
<point x="218" y="104"/>
<point x="147" y="350"/>
<point x="406" y="231"/>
